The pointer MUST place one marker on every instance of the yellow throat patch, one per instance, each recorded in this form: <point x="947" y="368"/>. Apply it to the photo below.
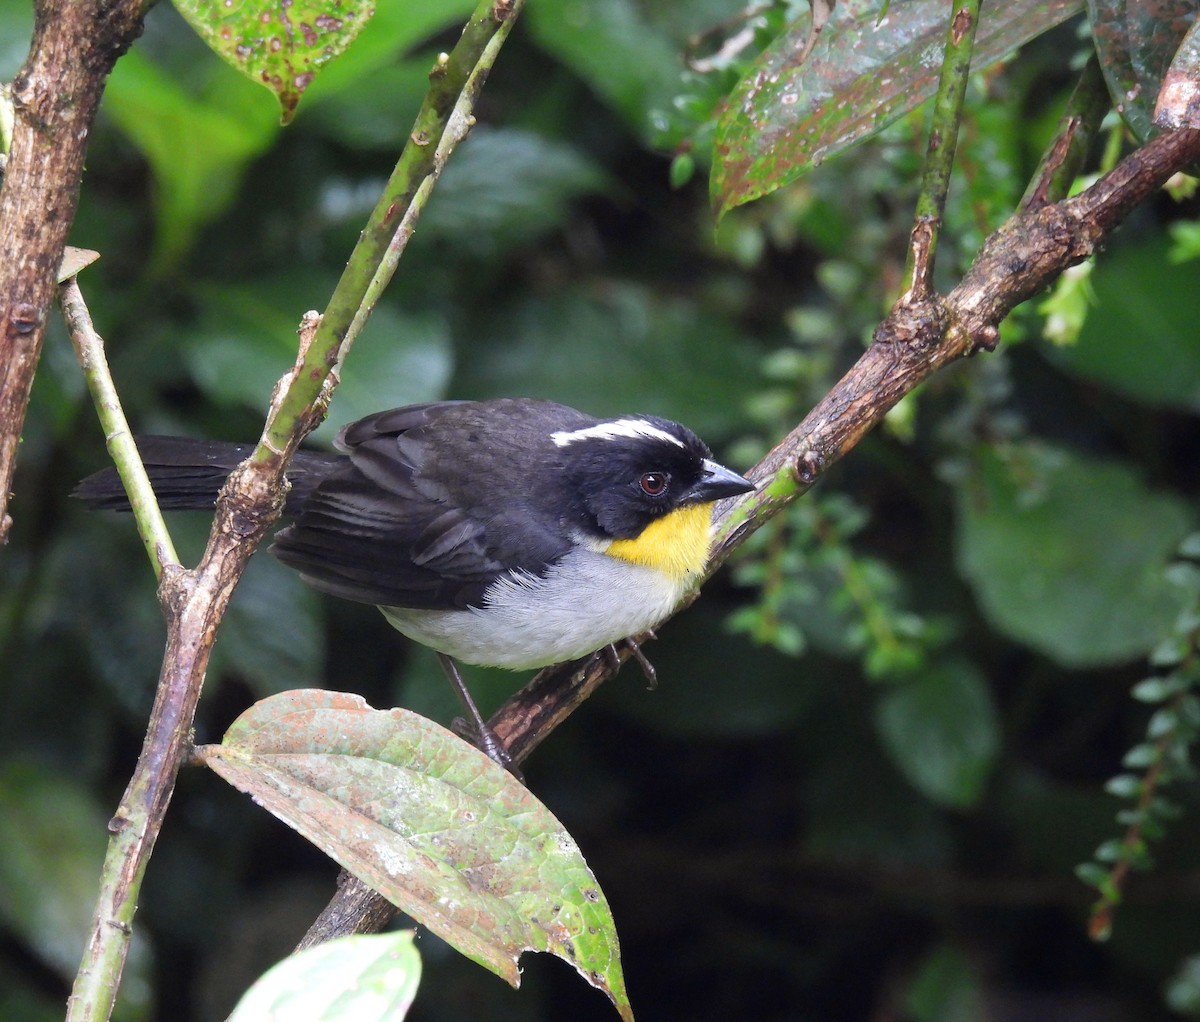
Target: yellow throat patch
<point x="676" y="544"/>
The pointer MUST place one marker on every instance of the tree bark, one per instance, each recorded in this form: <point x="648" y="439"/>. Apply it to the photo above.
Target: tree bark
<point x="55" y="96"/>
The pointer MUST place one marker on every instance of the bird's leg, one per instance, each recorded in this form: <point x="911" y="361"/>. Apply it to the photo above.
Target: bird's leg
<point x="635" y="651"/>
<point x="486" y="737"/>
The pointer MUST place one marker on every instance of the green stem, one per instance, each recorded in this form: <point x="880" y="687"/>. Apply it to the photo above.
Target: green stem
<point x="443" y="120"/>
<point x="89" y="347"/>
<point x="943" y="140"/>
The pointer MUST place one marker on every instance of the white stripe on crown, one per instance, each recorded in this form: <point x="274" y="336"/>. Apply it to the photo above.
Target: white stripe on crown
<point x="617" y="429"/>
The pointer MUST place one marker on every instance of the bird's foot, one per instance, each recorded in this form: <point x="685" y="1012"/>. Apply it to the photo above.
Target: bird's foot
<point x="612" y="653"/>
<point x="474" y="728"/>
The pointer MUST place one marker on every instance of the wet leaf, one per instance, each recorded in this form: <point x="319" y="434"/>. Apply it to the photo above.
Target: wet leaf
<point x="1136" y="40"/>
<point x="366" y="978"/>
<point x="431" y="823"/>
<point x="281" y="45"/>
<point x="1178" y="104"/>
<point x="863" y="72"/>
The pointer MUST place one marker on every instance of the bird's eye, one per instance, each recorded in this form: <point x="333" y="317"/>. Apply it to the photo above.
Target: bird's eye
<point x="654" y="483"/>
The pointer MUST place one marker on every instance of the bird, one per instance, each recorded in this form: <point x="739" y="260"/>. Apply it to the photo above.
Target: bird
<point x="508" y="532"/>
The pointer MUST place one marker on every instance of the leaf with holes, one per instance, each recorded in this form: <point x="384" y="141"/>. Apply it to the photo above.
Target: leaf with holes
<point x="431" y="823"/>
<point x="810" y="96"/>
<point x="282" y="44"/>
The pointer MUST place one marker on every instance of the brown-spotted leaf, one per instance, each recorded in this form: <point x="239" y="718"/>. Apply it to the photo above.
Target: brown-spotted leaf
<point x="431" y="823"/>
<point x="280" y="43"/>
<point x="861" y="73"/>
<point x="1136" y="40"/>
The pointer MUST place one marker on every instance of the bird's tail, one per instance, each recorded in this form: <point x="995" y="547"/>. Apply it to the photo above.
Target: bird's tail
<point x="188" y="474"/>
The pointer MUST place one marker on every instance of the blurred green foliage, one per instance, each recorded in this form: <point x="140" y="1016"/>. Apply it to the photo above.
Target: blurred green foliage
<point x="880" y="743"/>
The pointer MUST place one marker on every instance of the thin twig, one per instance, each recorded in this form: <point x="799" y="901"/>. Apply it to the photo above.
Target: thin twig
<point x="89" y="348"/>
<point x="1088" y="103"/>
<point x="939" y="155"/>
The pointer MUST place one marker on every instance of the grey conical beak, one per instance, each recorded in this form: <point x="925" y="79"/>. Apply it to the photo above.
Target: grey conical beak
<point x="717" y="482"/>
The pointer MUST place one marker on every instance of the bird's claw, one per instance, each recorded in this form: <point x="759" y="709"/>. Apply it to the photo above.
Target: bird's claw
<point x="635" y="650"/>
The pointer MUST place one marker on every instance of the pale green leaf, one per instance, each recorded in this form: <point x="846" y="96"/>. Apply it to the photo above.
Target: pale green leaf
<point x="365" y="978"/>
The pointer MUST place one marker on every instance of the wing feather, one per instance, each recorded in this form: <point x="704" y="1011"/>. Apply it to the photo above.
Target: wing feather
<point x="394" y="524"/>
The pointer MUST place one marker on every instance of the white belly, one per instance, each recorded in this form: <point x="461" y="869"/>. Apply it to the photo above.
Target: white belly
<point x="585" y="602"/>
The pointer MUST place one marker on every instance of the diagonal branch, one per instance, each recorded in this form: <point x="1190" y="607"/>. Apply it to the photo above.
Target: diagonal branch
<point x="1016" y="262"/>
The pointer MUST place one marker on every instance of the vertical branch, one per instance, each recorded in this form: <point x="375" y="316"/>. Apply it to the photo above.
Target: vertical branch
<point x="89" y="348"/>
<point x="195" y="601"/>
<point x="939" y="157"/>
<point x="55" y="96"/>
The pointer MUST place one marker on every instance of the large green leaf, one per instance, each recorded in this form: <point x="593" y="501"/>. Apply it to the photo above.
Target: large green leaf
<point x="637" y="349"/>
<point x="1067" y="554"/>
<point x="941" y="731"/>
<point x="429" y="822"/>
<point x="196" y="147"/>
<point x="797" y="107"/>
<point x="614" y="48"/>
<point x="366" y="978"/>
<point x="504" y="186"/>
<point x="247" y="340"/>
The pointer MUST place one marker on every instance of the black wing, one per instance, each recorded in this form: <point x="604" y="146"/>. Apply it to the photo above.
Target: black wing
<point x="397" y="524"/>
